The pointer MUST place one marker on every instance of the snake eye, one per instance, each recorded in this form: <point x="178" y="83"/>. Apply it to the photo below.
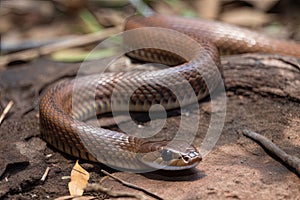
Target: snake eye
<point x="166" y="155"/>
<point x="186" y="159"/>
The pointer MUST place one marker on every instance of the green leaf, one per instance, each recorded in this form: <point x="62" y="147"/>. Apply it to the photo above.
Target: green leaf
<point x="90" y="21"/>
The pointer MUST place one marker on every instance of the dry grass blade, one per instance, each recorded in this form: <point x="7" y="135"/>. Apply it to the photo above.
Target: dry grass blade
<point x="132" y="185"/>
<point x="45" y="174"/>
<point x="6" y="110"/>
<point x="94" y="187"/>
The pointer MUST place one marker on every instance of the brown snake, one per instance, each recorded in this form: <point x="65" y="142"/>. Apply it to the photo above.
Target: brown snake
<point x="62" y="123"/>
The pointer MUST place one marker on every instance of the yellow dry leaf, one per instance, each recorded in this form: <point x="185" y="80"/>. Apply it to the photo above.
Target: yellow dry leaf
<point x="79" y="180"/>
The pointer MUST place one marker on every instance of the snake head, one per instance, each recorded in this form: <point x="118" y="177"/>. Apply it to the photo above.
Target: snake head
<point x="171" y="156"/>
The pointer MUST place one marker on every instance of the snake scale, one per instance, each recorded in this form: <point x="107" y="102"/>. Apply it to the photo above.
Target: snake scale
<point x="62" y="123"/>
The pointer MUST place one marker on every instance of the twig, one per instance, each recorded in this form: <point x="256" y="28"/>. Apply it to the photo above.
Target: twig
<point x="132" y="185"/>
<point x="72" y="42"/>
<point x="45" y="174"/>
<point x="292" y="161"/>
<point x="6" y="110"/>
<point x="7" y="48"/>
<point x="94" y="187"/>
<point x="69" y="197"/>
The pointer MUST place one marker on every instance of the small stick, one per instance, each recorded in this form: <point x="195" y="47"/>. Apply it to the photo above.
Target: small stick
<point x="6" y="110"/>
<point x="131" y="185"/>
<point x="69" y="197"/>
<point x="291" y="161"/>
<point x="94" y="187"/>
<point x="45" y="174"/>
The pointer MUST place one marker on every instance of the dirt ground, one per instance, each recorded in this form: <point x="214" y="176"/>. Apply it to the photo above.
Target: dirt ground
<point x="262" y="92"/>
<point x="237" y="168"/>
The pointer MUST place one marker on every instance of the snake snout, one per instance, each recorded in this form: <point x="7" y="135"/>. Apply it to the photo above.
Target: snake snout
<point x="191" y="157"/>
<point x="171" y="158"/>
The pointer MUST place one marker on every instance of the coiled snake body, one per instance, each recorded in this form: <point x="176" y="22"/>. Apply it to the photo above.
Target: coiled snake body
<point x="62" y="123"/>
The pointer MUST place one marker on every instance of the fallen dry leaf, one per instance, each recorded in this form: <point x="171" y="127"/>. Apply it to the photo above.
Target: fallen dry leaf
<point x="246" y="17"/>
<point x="208" y="9"/>
<point x="263" y="5"/>
<point x="79" y="180"/>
